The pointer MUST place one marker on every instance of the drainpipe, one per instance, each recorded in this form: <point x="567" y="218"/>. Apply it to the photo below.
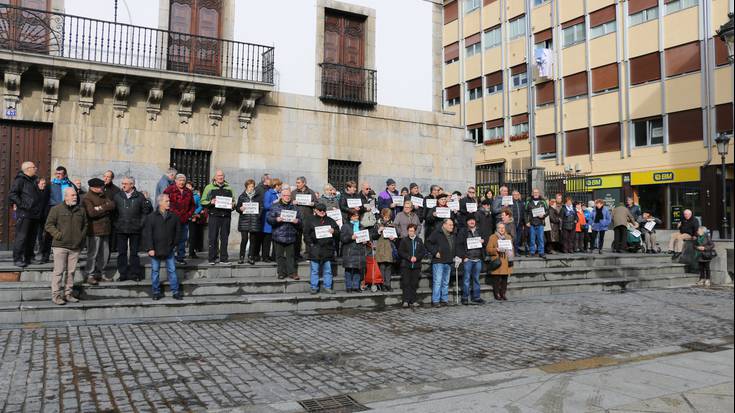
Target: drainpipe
<point x="707" y="76"/>
<point x="531" y="91"/>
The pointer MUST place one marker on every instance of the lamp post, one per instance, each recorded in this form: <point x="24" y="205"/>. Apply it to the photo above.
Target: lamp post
<point x="723" y="141"/>
<point x="726" y="34"/>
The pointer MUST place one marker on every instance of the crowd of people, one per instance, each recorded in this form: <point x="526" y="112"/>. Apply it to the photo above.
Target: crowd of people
<point x="387" y="232"/>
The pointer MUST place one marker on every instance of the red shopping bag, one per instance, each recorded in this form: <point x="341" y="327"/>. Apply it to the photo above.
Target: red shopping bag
<point x="372" y="272"/>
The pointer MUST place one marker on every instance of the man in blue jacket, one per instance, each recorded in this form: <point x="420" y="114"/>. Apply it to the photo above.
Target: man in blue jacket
<point x="284" y="235"/>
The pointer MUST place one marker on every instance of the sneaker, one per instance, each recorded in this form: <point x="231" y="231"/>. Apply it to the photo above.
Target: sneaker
<point x="314" y="291"/>
<point x="328" y="291"/>
<point x="404" y="305"/>
<point x="700" y="282"/>
<point x="224" y="262"/>
<point x="71" y="299"/>
<point x="444" y="304"/>
<point x="415" y="305"/>
<point x="241" y="260"/>
<point x="212" y="262"/>
<point x="92" y="281"/>
<point x="479" y="301"/>
<point x="251" y="261"/>
<point x="107" y="278"/>
<point x="707" y="283"/>
<point x="435" y="305"/>
<point x="58" y="300"/>
<point x="21" y="264"/>
<point x="178" y="296"/>
<point x="465" y="301"/>
<point x="157" y="297"/>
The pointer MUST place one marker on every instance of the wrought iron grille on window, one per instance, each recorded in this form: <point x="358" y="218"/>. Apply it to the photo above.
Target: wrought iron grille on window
<point x="339" y="172"/>
<point x="194" y="164"/>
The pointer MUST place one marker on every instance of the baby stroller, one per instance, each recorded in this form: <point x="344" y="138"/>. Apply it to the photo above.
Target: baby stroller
<point x="634" y="240"/>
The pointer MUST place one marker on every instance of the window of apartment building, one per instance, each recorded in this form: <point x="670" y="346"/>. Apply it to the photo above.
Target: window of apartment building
<point x="607" y="138"/>
<point x="474" y="89"/>
<point x="472" y="45"/>
<point x="517" y="27"/>
<point x="537" y="3"/>
<point x="494" y="82"/>
<point x="471" y="5"/>
<point x="642" y="11"/>
<point x="451" y="53"/>
<point x="192" y="163"/>
<point x="575" y="85"/>
<point x="646" y="68"/>
<point x="450" y="12"/>
<point x="578" y="142"/>
<point x="545" y="93"/>
<point x="546" y="146"/>
<point x="573" y="32"/>
<point x="685" y="126"/>
<point x="723" y="118"/>
<point x="474" y="133"/>
<point x="543" y="40"/>
<point x="519" y="127"/>
<point x="339" y="172"/>
<point x="451" y="95"/>
<point x="492" y="37"/>
<point x="605" y="78"/>
<point x="721" y="58"/>
<point x="647" y="132"/>
<point x="518" y="76"/>
<point x="494" y="130"/>
<point x="682" y="59"/>
<point x="676" y="5"/>
<point x="602" y="22"/>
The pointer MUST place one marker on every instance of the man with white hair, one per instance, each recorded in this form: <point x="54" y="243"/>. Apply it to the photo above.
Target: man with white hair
<point x="67" y="225"/>
<point x="219" y="197"/>
<point x="28" y="202"/>
<point x="183" y="206"/>
<point x="131" y="208"/>
<point x="688" y="227"/>
<point x="160" y="237"/>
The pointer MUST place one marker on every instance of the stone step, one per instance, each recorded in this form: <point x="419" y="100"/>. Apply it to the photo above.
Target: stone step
<point x="27" y="291"/>
<point x="218" y="307"/>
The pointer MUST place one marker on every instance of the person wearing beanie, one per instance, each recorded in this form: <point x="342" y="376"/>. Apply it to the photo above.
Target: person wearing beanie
<point x="99" y="210"/>
<point x="385" y="198"/>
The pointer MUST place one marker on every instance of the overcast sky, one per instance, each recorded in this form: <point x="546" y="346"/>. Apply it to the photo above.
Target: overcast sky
<point x="403" y="40"/>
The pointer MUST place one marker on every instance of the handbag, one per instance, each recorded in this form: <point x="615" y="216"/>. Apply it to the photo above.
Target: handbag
<point x="368" y="220"/>
<point x="493" y="264"/>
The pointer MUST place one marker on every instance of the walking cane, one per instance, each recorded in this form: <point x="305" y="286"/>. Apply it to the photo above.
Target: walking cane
<point x="456" y="282"/>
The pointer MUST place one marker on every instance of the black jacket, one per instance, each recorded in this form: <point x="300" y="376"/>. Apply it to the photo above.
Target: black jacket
<point x="161" y="234"/>
<point x="568" y="219"/>
<point x="320" y="249"/>
<point x="345" y="209"/>
<point x="408" y="248"/>
<point x="433" y="223"/>
<point x="531" y="204"/>
<point x="462" y="215"/>
<point x="485" y="222"/>
<point x="462" y="251"/>
<point x="689" y="226"/>
<point x="519" y="211"/>
<point x="130" y="212"/>
<point x="438" y="242"/>
<point x="26" y="196"/>
<point x="353" y="254"/>
<point x="249" y="222"/>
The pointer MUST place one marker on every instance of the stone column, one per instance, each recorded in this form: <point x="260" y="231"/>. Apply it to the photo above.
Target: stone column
<point x="437" y="52"/>
<point x="536" y="177"/>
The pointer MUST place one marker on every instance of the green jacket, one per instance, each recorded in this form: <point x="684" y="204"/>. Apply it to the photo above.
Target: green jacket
<point x="212" y="191"/>
<point x="67" y="226"/>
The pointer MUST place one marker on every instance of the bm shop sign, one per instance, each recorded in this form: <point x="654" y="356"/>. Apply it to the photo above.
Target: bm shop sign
<point x="665" y="176"/>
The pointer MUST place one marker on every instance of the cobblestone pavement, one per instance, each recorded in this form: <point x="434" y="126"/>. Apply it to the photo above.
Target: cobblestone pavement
<point x="198" y="365"/>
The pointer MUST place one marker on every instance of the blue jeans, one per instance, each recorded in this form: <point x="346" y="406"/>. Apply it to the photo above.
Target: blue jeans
<point x="518" y="238"/>
<point x="440" y="286"/>
<point x="182" y="241"/>
<point x="326" y="267"/>
<point x="537" y="239"/>
<point x="352" y="279"/>
<point x="472" y="272"/>
<point x="173" y="281"/>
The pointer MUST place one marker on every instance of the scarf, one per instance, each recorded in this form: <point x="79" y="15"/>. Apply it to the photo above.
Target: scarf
<point x="450" y="241"/>
<point x="598" y="214"/>
<point x="508" y="253"/>
<point x="355" y="226"/>
<point x="65" y="183"/>
<point x="250" y="194"/>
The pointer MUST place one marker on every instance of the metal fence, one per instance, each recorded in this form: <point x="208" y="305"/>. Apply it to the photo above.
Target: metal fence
<point x="346" y="84"/>
<point x="92" y="40"/>
<point x="493" y="176"/>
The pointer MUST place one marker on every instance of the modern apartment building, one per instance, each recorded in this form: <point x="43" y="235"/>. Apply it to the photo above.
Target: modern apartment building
<point x="630" y="93"/>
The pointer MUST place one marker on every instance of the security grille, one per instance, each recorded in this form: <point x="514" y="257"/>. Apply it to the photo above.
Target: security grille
<point x="194" y="164"/>
<point x="339" y="172"/>
<point x="335" y="404"/>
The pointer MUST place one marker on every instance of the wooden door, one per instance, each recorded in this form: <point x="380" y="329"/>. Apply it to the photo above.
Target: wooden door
<point x="344" y="45"/>
<point x="26" y="31"/>
<point x="187" y="52"/>
<point x="20" y="142"/>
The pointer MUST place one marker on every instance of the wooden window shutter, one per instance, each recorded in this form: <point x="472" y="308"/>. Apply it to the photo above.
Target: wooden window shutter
<point x="452" y="92"/>
<point x="545" y="93"/>
<point x="723" y="117"/>
<point x="495" y="78"/>
<point x="474" y="83"/>
<point x="494" y="123"/>
<point x="685" y="126"/>
<point x="572" y="22"/>
<point x="542" y="36"/>
<point x="602" y="16"/>
<point x="518" y="119"/>
<point x="578" y="142"/>
<point x="451" y="52"/>
<point x="645" y="68"/>
<point x="682" y="59"/>
<point x="470" y="40"/>
<point x="605" y="77"/>
<point x="518" y="69"/>
<point x="546" y="144"/>
<point x="451" y="12"/>
<point x="575" y="85"/>
<point x="634" y="6"/>
<point x="607" y="138"/>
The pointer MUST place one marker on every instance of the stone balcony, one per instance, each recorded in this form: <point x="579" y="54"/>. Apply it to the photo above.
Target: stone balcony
<point x="93" y="51"/>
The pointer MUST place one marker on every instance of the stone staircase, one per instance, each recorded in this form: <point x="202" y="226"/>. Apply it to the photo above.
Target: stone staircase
<point x="215" y="292"/>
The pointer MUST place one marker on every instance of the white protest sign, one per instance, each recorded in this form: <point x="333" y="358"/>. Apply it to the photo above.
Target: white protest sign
<point x="430" y="202"/>
<point x="453" y="205"/>
<point x="443" y="212"/>
<point x="250" y="208"/>
<point x="471" y="207"/>
<point x="636" y="233"/>
<point x="417" y="201"/>
<point x="507" y="200"/>
<point x="336" y="215"/>
<point x="303" y="199"/>
<point x="362" y="236"/>
<point x="223" y="202"/>
<point x="397" y="199"/>
<point x="288" y="215"/>
<point x="474" y="243"/>
<point x="505" y="245"/>
<point x="323" y="231"/>
<point x="354" y="202"/>
<point x="389" y="232"/>
<point x="650" y="225"/>
<point x="538" y="212"/>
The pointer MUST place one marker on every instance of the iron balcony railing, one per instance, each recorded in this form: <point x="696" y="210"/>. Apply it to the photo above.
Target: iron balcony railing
<point x="349" y="85"/>
<point x="91" y="40"/>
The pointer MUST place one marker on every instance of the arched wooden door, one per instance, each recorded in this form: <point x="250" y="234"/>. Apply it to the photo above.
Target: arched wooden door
<point x="187" y="52"/>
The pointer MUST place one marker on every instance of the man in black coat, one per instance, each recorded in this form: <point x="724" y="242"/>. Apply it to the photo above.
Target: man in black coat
<point x="319" y="233"/>
<point x="471" y="249"/>
<point x="160" y="238"/>
<point x="442" y="246"/>
<point x="26" y="198"/>
<point x="131" y="208"/>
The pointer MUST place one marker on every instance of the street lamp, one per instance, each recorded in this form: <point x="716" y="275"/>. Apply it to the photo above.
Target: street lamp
<point x="726" y="34"/>
<point x="723" y="141"/>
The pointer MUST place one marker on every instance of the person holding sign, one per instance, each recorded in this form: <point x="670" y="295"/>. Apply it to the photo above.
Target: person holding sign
<point x="354" y="253"/>
<point x="429" y="202"/>
<point x="349" y="199"/>
<point x="319" y="234"/>
<point x="389" y="198"/>
<point x="305" y="199"/>
<point x="485" y="219"/>
<point x="248" y="206"/>
<point x="436" y="215"/>
<point x="536" y="212"/>
<point x="405" y="218"/>
<point x="568" y="225"/>
<point x="467" y="208"/>
<point x="442" y="246"/>
<point x="647" y="225"/>
<point x="386" y="246"/>
<point x="412" y="251"/>
<point x="183" y="206"/>
<point x="218" y="198"/>
<point x="414" y="195"/>
<point x="500" y="201"/>
<point x="471" y="249"/>
<point x="285" y="219"/>
<point x="500" y="250"/>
